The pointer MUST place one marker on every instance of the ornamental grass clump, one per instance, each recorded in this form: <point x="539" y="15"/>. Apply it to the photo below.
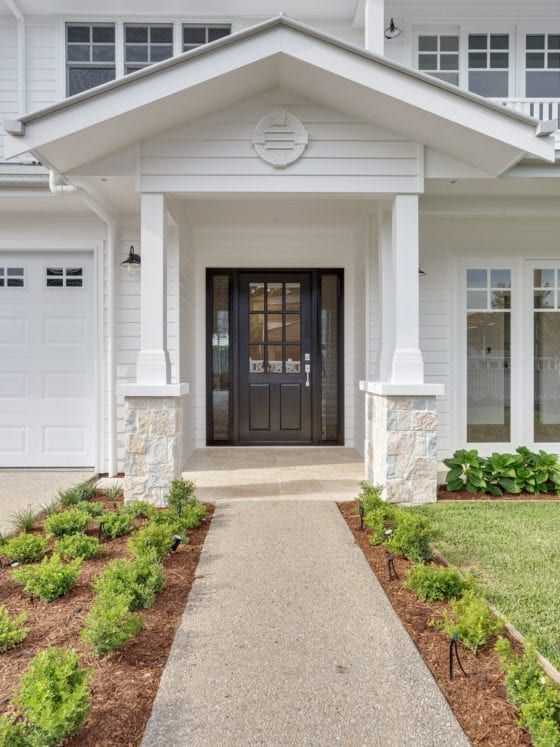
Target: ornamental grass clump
<point x="114" y="524"/>
<point x="24" y="548"/>
<point x="12" y="630"/>
<point x="49" y="579"/>
<point x="534" y="695"/>
<point x="471" y="620"/>
<point x="435" y="583"/>
<point x="84" y="491"/>
<point x="139" y="580"/>
<point x="24" y="520"/>
<point x="110" y="624"/>
<point x="53" y="697"/>
<point x="70" y="521"/>
<point x="153" y="538"/>
<point x="73" y="546"/>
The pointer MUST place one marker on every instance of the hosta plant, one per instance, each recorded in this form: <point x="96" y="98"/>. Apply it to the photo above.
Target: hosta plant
<point x="12" y="630"/>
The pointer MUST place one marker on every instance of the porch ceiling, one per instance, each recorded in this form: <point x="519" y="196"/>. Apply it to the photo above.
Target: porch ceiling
<point x="281" y="52"/>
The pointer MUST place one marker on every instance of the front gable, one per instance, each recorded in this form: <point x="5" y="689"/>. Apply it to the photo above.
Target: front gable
<point x="339" y="152"/>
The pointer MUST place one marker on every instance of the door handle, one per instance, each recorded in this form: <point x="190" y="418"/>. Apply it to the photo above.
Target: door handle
<point x="307" y="374"/>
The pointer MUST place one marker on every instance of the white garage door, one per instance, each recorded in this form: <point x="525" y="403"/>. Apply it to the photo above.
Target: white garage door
<point x="47" y="360"/>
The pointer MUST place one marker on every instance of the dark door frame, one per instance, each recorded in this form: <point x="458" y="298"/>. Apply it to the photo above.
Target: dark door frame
<point x="233" y="275"/>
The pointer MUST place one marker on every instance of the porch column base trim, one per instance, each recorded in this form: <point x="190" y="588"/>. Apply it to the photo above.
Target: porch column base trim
<point x="153" y="366"/>
<point x="401" y="444"/>
<point x="153" y="444"/>
<point x="388" y="388"/>
<point x="152" y="390"/>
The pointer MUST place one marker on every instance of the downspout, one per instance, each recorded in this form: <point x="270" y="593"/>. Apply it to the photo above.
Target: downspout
<point x="21" y="54"/>
<point x="59" y="186"/>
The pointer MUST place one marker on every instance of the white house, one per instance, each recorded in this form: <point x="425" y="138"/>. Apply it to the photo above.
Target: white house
<point x="347" y="219"/>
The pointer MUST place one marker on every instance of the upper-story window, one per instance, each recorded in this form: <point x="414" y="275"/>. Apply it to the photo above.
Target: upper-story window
<point x="489" y="64"/>
<point x="438" y="55"/>
<point x="146" y="44"/>
<point x="90" y="55"/>
<point x="197" y="34"/>
<point x="542" y="60"/>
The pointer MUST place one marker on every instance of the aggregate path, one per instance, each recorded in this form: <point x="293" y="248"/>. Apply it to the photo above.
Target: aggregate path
<point x="288" y="639"/>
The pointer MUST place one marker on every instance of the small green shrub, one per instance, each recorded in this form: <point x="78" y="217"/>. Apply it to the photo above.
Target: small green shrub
<point x="12" y="630"/>
<point x="110" y="624"/>
<point x="70" y="521"/>
<point x="190" y="518"/>
<point x="534" y="695"/>
<point x="378" y="519"/>
<point x="91" y="508"/>
<point x="181" y="493"/>
<point x="139" y="580"/>
<point x="411" y="536"/>
<point x="25" y="548"/>
<point x="53" y="695"/>
<point x="114" y="524"/>
<point x="153" y="537"/>
<point x="471" y="619"/>
<point x="139" y="509"/>
<point x="49" y="579"/>
<point x="73" y="546"/>
<point x="370" y="496"/>
<point x="435" y="583"/>
<point x="24" y="520"/>
<point x="15" y="734"/>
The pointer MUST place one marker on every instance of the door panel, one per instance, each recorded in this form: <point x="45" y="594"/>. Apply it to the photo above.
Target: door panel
<point x="275" y="391"/>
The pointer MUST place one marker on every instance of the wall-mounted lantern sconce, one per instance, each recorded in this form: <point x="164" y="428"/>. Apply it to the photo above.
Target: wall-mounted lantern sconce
<point x="392" y="31"/>
<point x="132" y="261"/>
<point x="421" y="273"/>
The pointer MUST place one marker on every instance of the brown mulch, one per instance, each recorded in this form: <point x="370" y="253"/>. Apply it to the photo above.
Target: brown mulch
<point x="124" y="684"/>
<point x="462" y="495"/>
<point x="479" y="700"/>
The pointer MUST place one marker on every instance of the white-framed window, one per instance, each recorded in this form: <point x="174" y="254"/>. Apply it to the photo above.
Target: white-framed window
<point x="145" y="44"/>
<point x="12" y="277"/>
<point x="90" y="55"/>
<point x="545" y="334"/>
<point x="197" y="34"/>
<point x="489" y="64"/>
<point x="64" y="277"/>
<point x="438" y="55"/>
<point x="542" y="65"/>
<point x="488" y="354"/>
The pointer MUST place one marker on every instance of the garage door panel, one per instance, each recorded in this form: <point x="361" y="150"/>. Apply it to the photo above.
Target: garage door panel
<point x="47" y="366"/>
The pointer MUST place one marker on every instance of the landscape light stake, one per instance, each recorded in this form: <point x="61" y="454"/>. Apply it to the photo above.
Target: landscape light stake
<point x="176" y="543"/>
<point x="361" y="512"/>
<point x="391" y="567"/>
<point x="100" y="530"/>
<point x="454" y="654"/>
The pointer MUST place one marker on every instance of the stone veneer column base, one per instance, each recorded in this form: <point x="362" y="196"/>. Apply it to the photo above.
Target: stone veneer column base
<point x="401" y="446"/>
<point x="153" y="446"/>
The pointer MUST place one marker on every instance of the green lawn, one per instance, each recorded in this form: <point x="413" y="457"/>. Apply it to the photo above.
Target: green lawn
<point x="514" y="551"/>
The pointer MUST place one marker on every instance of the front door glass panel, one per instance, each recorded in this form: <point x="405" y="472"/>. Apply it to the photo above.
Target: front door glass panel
<point x="546" y="357"/>
<point x="273" y="321"/>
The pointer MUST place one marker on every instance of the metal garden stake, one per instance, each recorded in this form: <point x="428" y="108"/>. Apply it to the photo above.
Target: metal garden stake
<point x="454" y="654"/>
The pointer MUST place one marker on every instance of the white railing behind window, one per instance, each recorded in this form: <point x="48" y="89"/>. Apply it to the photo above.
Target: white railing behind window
<point x="543" y="109"/>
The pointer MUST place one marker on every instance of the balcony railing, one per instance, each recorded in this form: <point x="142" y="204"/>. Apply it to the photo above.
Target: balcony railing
<point x="543" y="109"/>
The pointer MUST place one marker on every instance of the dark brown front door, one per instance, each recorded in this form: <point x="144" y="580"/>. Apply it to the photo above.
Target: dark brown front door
<point x="275" y="357"/>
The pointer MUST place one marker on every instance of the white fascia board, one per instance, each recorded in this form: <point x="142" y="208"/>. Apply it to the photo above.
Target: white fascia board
<point x="121" y="112"/>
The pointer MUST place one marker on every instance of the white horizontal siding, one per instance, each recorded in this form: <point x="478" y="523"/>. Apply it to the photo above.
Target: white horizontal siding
<point x="8" y="75"/>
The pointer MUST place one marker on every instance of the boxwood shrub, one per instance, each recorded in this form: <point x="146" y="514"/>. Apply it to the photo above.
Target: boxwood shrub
<point x="471" y="619"/>
<point x="70" y="521"/>
<point x="114" y="523"/>
<point x="12" y="630"/>
<point x="433" y="583"/>
<point x="110" y="624"/>
<point x="49" y="579"/>
<point x="80" y="545"/>
<point x="139" y="579"/>
<point x="24" y="548"/>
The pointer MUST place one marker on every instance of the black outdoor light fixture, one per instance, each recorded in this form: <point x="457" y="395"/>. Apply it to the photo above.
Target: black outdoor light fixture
<point x="132" y="261"/>
<point x="361" y="512"/>
<point x="454" y="654"/>
<point x="392" y="30"/>
<point x="176" y="543"/>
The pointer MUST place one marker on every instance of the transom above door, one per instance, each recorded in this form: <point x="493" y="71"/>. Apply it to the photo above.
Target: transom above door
<point x="275" y="352"/>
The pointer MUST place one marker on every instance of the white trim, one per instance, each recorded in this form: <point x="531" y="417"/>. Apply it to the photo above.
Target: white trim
<point x="153" y="390"/>
<point x="402" y="390"/>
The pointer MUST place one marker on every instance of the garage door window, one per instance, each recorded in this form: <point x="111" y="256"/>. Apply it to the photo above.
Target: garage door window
<point x="65" y="277"/>
<point x="11" y="277"/>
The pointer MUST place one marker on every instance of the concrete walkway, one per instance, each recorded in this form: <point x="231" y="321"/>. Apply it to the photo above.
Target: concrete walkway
<point x="24" y="488"/>
<point x="288" y="639"/>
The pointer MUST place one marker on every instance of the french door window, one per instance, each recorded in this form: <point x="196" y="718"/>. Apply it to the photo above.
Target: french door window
<point x="438" y="55"/>
<point x="488" y="355"/>
<point x="546" y="354"/>
<point x="489" y="64"/>
<point x="542" y="61"/>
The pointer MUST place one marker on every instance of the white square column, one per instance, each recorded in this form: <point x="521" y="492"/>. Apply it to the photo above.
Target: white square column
<point x="375" y="26"/>
<point x="401" y="413"/>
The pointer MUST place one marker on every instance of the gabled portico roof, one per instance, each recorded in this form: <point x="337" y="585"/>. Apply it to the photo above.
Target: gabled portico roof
<point x="279" y="52"/>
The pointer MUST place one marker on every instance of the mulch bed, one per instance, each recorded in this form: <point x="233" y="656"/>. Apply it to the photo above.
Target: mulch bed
<point x="462" y="495"/>
<point x="479" y="700"/>
<point x="124" y="684"/>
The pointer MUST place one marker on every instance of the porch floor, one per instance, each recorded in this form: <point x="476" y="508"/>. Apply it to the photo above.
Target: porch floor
<point x="276" y="473"/>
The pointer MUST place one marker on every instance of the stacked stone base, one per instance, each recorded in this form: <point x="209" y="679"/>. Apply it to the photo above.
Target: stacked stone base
<point x="153" y="447"/>
<point x="401" y="447"/>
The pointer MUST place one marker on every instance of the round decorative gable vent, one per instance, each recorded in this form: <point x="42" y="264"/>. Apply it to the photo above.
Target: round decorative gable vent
<point x="280" y="138"/>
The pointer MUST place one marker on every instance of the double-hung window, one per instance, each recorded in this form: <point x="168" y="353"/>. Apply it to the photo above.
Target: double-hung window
<point x="90" y="55"/>
<point x="438" y="55"/>
<point x="489" y="63"/>
<point x="542" y="65"/>
<point x="197" y="34"/>
<point x="146" y="44"/>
